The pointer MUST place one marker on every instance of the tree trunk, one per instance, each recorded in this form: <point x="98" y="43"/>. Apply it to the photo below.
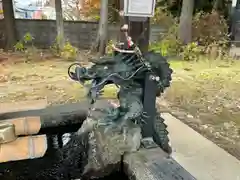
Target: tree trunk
<point x="217" y="5"/>
<point x="113" y="14"/>
<point x="103" y="27"/>
<point x="9" y="20"/>
<point x="59" y="23"/>
<point x="185" y="26"/>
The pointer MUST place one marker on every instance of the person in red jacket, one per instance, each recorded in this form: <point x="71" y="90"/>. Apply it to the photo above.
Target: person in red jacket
<point x="128" y="43"/>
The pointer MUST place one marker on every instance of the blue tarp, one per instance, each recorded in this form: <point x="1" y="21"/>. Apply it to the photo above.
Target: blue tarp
<point x="25" y="11"/>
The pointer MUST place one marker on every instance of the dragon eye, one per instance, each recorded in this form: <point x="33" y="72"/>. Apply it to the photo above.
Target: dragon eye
<point x="83" y="70"/>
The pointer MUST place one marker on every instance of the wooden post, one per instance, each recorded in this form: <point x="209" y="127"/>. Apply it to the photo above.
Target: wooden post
<point x="59" y="24"/>
<point x="139" y="31"/>
<point x="139" y="21"/>
<point x="9" y="20"/>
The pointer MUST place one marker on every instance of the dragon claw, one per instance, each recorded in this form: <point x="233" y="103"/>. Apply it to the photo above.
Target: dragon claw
<point x="111" y="128"/>
<point x="118" y="126"/>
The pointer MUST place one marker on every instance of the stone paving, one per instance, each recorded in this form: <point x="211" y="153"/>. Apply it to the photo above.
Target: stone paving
<point x="198" y="155"/>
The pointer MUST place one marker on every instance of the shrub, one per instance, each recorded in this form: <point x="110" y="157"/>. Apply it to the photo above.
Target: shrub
<point x="163" y="18"/>
<point x="209" y="36"/>
<point x="28" y="38"/>
<point x="25" y="45"/>
<point x="109" y="48"/>
<point x="68" y="52"/>
<point x="191" y="52"/>
<point x="19" y="46"/>
<point x="168" y="45"/>
<point x="210" y="28"/>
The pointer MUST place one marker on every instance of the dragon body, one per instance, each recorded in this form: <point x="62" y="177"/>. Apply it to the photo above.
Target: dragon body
<point x="128" y="71"/>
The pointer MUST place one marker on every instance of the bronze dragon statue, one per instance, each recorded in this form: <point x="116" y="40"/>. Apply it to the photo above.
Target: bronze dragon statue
<point x="130" y="70"/>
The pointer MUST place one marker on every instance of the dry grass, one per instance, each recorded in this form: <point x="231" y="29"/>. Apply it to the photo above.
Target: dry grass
<point x="210" y="91"/>
<point x="37" y="80"/>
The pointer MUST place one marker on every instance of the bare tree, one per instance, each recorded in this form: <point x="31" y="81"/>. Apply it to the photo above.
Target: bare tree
<point x="59" y="21"/>
<point x="101" y="41"/>
<point x="185" y="26"/>
<point x="219" y="4"/>
<point x="9" y="20"/>
<point x="73" y="7"/>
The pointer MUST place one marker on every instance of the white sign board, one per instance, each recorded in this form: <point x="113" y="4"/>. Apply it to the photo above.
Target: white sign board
<point x="139" y="8"/>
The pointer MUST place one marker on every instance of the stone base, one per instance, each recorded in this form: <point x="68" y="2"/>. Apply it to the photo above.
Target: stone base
<point x="106" y="148"/>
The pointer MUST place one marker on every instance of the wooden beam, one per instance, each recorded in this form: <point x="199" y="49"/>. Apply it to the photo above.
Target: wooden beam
<point x="56" y="119"/>
<point x="22" y="106"/>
